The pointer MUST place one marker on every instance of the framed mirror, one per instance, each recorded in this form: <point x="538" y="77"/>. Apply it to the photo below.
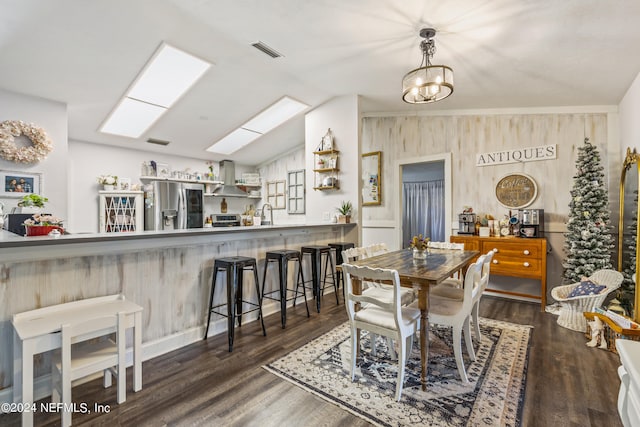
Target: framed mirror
<point x="371" y="178"/>
<point x="628" y="236"/>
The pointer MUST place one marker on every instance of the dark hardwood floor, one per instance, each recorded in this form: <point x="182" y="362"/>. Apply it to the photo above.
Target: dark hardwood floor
<point x="568" y="383"/>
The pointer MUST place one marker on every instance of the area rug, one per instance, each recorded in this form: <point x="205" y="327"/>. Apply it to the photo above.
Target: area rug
<point x="493" y="397"/>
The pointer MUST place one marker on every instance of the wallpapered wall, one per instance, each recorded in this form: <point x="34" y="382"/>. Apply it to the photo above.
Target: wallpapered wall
<point x="402" y="138"/>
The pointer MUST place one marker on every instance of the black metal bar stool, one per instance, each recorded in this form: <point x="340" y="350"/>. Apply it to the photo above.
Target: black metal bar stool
<point x="339" y="247"/>
<point x="234" y="267"/>
<point x="316" y="254"/>
<point x="282" y="257"/>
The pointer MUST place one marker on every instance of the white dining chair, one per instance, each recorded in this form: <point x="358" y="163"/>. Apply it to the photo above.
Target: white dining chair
<point x="81" y="354"/>
<point x="450" y="290"/>
<point x="377" y="290"/>
<point x="457" y="279"/>
<point x="457" y="313"/>
<point x="376" y="249"/>
<point x="380" y="316"/>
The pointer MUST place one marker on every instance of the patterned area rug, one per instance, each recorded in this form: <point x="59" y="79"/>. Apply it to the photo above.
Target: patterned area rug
<point x="494" y="396"/>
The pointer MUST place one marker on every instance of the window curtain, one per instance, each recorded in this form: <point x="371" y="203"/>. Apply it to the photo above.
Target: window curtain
<point x="423" y="210"/>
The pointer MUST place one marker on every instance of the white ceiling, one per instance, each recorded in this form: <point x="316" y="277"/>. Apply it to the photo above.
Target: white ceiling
<point x="505" y="54"/>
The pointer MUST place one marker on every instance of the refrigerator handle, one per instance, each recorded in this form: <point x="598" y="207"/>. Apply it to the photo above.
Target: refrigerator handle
<point x="182" y="209"/>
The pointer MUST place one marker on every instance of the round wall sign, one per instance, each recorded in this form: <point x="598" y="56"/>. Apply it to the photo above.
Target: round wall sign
<point x="516" y="190"/>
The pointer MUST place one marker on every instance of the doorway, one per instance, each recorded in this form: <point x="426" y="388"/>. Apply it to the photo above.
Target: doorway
<point x="425" y="202"/>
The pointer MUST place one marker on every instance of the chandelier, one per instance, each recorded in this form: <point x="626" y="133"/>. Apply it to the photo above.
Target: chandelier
<point x="429" y="83"/>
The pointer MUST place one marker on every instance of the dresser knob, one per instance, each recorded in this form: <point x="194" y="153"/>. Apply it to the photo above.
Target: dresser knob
<point x="526" y="252"/>
<point x="526" y="264"/>
<point x="495" y="250"/>
<point x="495" y="261"/>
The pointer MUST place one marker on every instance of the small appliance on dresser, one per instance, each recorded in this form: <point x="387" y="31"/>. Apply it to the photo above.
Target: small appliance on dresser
<point x="466" y="223"/>
<point x="531" y="222"/>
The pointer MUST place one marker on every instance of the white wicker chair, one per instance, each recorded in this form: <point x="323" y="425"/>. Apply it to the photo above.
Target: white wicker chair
<point x="572" y="309"/>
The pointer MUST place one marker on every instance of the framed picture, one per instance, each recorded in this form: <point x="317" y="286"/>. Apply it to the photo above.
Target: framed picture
<point x="17" y="184"/>
<point x="372" y="178"/>
<point x="124" y="184"/>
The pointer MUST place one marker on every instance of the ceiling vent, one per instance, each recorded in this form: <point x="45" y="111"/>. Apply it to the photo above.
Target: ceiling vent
<point x="267" y="50"/>
<point x="157" y="141"/>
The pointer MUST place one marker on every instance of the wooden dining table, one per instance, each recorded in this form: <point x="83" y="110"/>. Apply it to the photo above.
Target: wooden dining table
<point x="420" y="274"/>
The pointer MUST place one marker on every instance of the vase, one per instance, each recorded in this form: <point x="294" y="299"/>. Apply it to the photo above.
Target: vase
<point x="419" y="253"/>
<point x="42" y="230"/>
<point x="108" y="187"/>
<point x="26" y="209"/>
<point x="344" y="219"/>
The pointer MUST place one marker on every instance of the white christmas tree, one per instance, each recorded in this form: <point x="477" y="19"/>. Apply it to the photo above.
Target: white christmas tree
<point x="588" y="240"/>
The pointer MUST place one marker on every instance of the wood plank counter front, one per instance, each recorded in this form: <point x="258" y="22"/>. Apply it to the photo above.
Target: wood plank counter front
<point x="514" y="257"/>
<point x="167" y="273"/>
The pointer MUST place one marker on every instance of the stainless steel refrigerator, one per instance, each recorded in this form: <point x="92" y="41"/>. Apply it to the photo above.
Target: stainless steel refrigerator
<point x="173" y="205"/>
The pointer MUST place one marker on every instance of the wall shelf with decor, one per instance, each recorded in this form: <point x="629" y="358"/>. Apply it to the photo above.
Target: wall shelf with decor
<point x="326" y="170"/>
<point x="121" y="211"/>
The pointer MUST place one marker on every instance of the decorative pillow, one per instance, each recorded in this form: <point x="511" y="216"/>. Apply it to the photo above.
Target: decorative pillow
<point x="586" y="287"/>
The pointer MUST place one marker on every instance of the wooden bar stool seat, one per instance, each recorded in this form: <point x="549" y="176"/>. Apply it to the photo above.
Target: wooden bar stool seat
<point x="234" y="267"/>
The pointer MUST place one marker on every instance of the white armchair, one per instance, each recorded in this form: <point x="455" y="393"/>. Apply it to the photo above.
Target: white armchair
<point x="572" y="309"/>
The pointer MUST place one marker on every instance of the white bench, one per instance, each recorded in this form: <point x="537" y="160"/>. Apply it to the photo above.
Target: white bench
<point x="37" y="331"/>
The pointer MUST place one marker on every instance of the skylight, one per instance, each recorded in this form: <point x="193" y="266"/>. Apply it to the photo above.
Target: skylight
<point x="168" y="75"/>
<point x="267" y="120"/>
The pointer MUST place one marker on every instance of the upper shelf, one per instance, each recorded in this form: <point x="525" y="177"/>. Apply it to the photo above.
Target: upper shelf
<point x="326" y="152"/>
<point x="193" y="181"/>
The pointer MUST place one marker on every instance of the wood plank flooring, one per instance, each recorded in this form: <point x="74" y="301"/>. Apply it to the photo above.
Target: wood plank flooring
<point x="568" y="384"/>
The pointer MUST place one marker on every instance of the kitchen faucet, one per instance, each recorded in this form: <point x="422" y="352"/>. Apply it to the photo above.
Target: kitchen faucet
<point x="264" y="219"/>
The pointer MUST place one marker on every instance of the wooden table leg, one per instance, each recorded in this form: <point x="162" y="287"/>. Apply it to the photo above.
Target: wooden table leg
<point x="423" y="303"/>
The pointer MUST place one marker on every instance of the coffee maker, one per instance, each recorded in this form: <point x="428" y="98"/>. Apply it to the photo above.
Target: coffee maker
<point x="466" y="223"/>
<point x="531" y="222"/>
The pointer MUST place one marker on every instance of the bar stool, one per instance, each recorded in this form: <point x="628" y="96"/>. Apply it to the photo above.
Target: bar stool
<point x="316" y="253"/>
<point x="234" y="267"/>
<point x="339" y="247"/>
<point x="282" y="257"/>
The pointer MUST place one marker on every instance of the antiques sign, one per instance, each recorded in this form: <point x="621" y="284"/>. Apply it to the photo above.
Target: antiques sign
<point x="529" y="154"/>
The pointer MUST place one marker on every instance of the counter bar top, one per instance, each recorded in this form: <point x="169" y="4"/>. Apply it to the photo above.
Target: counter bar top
<point x="19" y="248"/>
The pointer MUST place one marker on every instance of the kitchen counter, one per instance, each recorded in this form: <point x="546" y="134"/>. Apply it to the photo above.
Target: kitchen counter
<point x="168" y="273"/>
<point x="19" y="248"/>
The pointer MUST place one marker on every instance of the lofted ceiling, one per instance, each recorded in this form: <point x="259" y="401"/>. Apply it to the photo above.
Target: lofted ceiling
<point x="505" y="54"/>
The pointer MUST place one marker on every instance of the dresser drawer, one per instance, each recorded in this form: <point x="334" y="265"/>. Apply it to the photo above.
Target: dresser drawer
<point x="519" y="249"/>
<point x="517" y="267"/>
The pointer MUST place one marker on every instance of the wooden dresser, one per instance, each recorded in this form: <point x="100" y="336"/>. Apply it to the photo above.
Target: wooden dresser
<point x="515" y="257"/>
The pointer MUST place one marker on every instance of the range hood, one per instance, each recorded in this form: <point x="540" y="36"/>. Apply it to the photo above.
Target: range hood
<point x="228" y="189"/>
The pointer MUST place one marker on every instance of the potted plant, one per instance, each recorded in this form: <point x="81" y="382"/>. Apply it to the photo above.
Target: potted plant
<point x="31" y="203"/>
<point x="344" y="212"/>
<point x="42" y="225"/>
<point x="108" y="182"/>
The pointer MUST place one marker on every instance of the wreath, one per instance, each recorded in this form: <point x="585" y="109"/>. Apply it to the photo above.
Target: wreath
<point x="41" y="144"/>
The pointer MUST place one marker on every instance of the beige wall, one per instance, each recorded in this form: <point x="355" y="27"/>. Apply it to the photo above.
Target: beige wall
<point x="464" y="135"/>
